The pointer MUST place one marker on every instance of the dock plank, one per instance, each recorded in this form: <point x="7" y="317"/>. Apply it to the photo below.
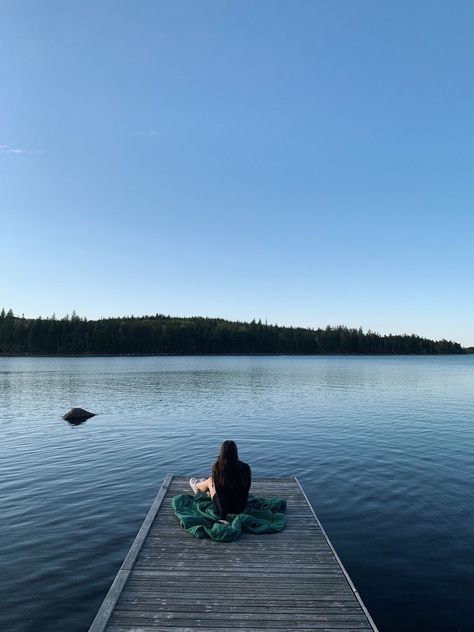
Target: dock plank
<point x="292" y="580"/>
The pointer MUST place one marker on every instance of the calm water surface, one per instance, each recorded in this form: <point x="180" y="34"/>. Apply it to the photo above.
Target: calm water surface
<point x="384" y="448"/>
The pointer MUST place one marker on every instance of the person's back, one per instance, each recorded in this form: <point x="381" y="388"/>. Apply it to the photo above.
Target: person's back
<point x="232" y="488"/>
<point x="229" y="483"/>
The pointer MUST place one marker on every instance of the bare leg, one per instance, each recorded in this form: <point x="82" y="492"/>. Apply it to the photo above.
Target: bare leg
<point x="207" y="486"/>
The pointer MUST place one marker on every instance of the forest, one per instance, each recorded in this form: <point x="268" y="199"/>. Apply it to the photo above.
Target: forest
<point x="170" y="335"/>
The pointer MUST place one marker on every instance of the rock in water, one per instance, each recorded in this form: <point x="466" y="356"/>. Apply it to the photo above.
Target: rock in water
<point x="77" y="413"/>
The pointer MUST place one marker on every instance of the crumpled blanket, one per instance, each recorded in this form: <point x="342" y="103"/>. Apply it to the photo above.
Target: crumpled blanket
<point x="197" y="516"/>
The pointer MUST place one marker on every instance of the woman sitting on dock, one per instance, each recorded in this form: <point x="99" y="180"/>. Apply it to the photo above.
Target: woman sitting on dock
<point x="229" y="482"/>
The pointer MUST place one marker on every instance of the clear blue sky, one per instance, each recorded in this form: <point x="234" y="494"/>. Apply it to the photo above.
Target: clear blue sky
<point x="304" y="162"/>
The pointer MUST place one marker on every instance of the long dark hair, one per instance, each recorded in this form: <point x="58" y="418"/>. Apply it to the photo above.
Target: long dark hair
<point x="225" y="470"/>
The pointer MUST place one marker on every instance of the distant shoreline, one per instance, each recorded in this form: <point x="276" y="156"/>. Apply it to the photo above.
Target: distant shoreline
<point x="160" y="335"/>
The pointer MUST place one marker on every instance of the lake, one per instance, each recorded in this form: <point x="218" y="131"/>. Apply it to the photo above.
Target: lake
<point x="382" y="445"/>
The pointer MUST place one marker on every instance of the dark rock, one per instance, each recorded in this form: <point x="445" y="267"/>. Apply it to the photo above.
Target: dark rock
<point x="76" y="414"/>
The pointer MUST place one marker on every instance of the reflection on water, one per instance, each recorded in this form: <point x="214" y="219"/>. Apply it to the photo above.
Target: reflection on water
<point x="383" y="447"/>
<point x="78" y="421"/>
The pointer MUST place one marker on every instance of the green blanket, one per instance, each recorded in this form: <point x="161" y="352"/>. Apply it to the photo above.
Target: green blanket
<point x="197" y="516"/>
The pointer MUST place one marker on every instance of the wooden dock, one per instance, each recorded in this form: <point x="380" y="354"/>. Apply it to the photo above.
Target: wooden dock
<point x="293" y="580"/>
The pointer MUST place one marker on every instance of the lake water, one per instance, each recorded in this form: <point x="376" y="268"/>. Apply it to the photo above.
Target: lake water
<point x="383" y="446"/>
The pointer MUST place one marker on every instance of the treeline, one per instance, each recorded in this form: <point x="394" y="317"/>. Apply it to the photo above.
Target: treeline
<point x="168" y="335"/>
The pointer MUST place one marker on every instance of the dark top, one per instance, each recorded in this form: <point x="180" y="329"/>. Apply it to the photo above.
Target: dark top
<point x="233" y="499"/>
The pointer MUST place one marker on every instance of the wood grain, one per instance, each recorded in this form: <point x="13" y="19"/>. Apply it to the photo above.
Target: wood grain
<point x="292" y="580"/>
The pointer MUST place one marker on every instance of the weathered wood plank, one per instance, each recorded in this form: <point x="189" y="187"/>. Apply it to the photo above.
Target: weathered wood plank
<point x="221" y="628"/>
<point x="249" y="586"/>
<point x="358" y="597"/>
<point x="286" y="581"/>
<point x="291" y="556"/>
<point x="164" y="600"/>
<point x="100" y="622"/>
<point x="234" y="593"/>
<point x="204" y="624"/>
<point x="171" y="610"/>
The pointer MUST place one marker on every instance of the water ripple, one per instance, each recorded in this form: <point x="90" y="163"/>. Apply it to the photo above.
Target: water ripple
<point x="383" y="447"/>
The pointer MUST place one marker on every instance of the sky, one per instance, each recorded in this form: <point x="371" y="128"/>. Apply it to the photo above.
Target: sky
<point x="306" y="163"/>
